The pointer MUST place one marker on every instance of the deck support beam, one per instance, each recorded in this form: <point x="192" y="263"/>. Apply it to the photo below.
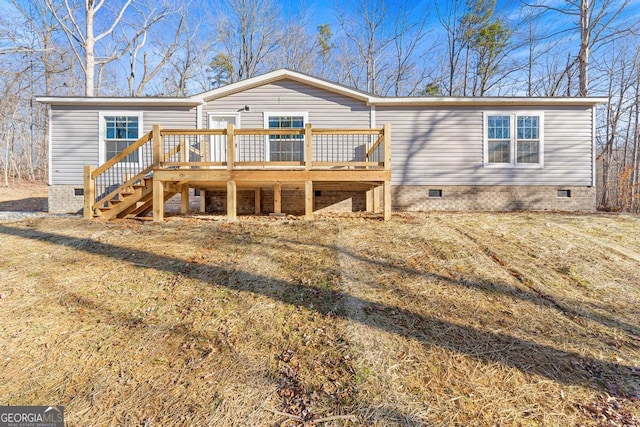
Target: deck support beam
<point x="386" y="208"/>
<point x="308" y="200"/>
<point x="258" y="208"/>
<point x="277" y="198"/>
<point x="232" y="211"/>
<point x="369" y="200"/>
<point x="89" y="192"/>
<point x="387" y="200"/>
<point x="184" y="199"/>
<point x="158" y="200"/>
<point x="373" y="200"/>
<point x="203" y="201"/>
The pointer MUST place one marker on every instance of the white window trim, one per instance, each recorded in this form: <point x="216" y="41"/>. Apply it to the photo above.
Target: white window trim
<point x="210" y="115"/>
<point x="102" y="135"/>
<point x="235" y="114"/>
<point x="512" y="139"/>
<point x="265" y="119"/>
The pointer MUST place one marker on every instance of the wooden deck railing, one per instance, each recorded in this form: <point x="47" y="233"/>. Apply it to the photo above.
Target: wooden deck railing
<point x="232" y="149"/>
<point x="268" y="148"/>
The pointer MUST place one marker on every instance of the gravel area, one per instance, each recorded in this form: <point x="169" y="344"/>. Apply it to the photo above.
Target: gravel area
<point x="12" y="216"/>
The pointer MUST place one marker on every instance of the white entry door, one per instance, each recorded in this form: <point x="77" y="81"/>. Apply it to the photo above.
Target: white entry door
<point x="219" y="142"/>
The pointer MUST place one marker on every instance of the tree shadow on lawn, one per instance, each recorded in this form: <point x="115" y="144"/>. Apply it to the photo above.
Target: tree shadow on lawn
<point x="30" y="204"/>
<point x="566" y="306"/>
<point x="561" y="366"/>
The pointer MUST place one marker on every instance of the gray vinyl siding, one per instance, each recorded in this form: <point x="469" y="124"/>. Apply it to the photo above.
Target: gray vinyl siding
<point x="444" y="146"/>
<point x="75" y="135"/>
<point x="326" y="109"/>
<point x="431" y="145"/>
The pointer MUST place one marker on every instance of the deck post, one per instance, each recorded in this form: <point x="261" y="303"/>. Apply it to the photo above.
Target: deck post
<point x="308" y="138"/>
<point x="387" y="146"/>
<point x="277" y="198"/>
<point x="183" y="150"/>
<point x="89" y="192"/>
<point x="231" y="201"/>
<point x="387" y="200"/>
<point x="157" y="145"/>
<point x="158" y="199"/>
<point x="376" y="200"/>
<point x="258" y="209"/>
<point x="369" y="200"/>
<point x="308" y="200"/>
<point x="231" y="146"/>
<point x="184" y="199"/>
<point x="203" y="201"/>
<point x="386" y="209"/>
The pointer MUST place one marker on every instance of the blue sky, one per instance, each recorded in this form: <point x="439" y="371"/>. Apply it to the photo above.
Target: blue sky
<point x="324" y="11"/>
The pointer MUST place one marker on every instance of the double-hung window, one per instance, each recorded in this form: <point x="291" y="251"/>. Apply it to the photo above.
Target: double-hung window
<point x="513" y="139"/>
<point x="527" y="139"/>
<point x="499" y="139"/>
<point x="285" y="148"/>
<point x="118" y="132"/>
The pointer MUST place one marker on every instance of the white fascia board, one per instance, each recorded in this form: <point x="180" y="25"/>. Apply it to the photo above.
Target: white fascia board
<point x="487" y="101"/>
<point x="275" y="76"/>
<point x="119" y="102"/>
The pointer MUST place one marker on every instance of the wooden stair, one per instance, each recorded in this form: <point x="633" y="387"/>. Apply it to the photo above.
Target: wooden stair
<point x="145" y="205"/>
<point x="129" y="201"/>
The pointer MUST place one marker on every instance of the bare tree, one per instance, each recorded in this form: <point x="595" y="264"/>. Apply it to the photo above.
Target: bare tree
<point x="598" y="25"/>
<point x="367" y="29"/>
<point x="449" y="18"/>
<point x="298" y="45"/>
<point x="164" y="51"/>
<point x="618" y="139"/>
<point x="78" y="21"/>
<point x="41" y="67"/>
<point x="381" y="48"/>
<point x="248" y="31"/>
<point x="406" y="76"/>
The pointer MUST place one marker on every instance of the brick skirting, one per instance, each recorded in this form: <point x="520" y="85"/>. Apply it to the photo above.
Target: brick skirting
<point x="62" y="199"/>
<point x="493" y="198"/>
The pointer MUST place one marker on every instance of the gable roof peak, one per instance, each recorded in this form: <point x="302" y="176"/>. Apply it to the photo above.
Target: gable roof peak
<point x="282" y="74"/>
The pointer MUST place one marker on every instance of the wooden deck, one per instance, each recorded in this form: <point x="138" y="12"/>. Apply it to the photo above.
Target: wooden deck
<point x="165" y="162"/>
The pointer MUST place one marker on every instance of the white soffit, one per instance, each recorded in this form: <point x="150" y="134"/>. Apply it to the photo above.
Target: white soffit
<point x="118" y="101"/>
<point x="486" y="101"/>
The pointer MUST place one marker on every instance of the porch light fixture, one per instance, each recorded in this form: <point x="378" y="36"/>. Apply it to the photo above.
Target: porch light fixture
<point x="247" y="108"/>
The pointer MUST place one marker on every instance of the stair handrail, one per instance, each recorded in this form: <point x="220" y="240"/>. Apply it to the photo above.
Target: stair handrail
<point x="129" y="183"/>
<point x="93" y="175"/>
<point x="122" y="155"/>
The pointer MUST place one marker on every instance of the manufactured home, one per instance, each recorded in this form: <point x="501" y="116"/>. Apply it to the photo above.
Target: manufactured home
<point x="286" y="142"/>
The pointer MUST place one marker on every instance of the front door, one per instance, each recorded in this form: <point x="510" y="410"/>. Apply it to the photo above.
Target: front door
<point x="219" y="142"/>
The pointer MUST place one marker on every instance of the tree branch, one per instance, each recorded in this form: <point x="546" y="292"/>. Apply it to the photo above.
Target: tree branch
<point x="115" y="22"/>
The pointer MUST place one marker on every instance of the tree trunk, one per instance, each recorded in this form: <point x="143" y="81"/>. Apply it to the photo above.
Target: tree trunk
<point x="635" y="191"/>
<point x="466" y="73"/>
<point x="90" y="60"/>
<point x="583" y="55"/>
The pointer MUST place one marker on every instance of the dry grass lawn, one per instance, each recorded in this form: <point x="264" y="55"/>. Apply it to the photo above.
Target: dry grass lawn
<point x="430" y="319"/>
<point x="24" y="196"/>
